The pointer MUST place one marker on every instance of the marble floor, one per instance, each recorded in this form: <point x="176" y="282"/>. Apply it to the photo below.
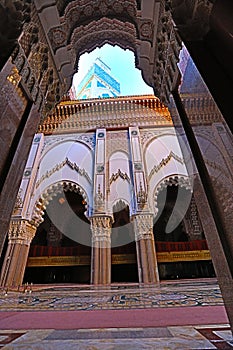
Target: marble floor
<point x="159" y="338"/>
<point x="171" y="315"/>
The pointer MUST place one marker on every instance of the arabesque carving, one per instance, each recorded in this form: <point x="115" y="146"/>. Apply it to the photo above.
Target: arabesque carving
<point x="87" y="114"/>
<point x="19" y="203"/>
<point x="143" y="226"/>
<point x="164" y="162"/>
<point x="21" y="232"/>
<point x="99" y="200"/>
<point x="119" y="173"/>
<point x="112" y="31"/>
<point x="141" y="197"/>
<point x="59" y="166"/>
<point x="101" y="229"/>
<point x="78" y="12"/>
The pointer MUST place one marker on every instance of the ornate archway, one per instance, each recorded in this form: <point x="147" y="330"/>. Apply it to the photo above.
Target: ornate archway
<point x="49" y="193"/>
<point x="60" y="252"/>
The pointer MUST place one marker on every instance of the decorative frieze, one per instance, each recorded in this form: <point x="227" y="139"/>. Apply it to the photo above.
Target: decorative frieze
<point x="88" y="139"/>
<point x="12" y="94"/>
<point x="118" y="112"/>
<point x="84" y="10"/>
<point x="168" y="46"/>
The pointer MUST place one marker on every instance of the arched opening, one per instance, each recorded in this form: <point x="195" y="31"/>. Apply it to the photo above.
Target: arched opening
<point x="124" y="260"/>
<point x="61" y="249"/>
<point x="181" y="240"/>
<point x="119" y="63"/>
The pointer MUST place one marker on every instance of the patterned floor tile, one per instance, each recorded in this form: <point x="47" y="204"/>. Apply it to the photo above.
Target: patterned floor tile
<point x="189" y="293"/>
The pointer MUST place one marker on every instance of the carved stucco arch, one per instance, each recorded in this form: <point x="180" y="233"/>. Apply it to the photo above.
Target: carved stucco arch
<point x="78" y="13"/>
<point x="119" y="204"/>
<point x="104" y="31"/>
<point x="171" y="180"/>
<point x="144" y="27"/>
<point x="49" y="193"/>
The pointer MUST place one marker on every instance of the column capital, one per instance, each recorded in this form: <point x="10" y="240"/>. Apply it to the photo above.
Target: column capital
<point x="101" y="226"/>
<point x="143" y="226"/>
<point x="21" y="232"/>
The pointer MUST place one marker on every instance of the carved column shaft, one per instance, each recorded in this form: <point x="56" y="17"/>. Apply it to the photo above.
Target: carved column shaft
<point x="146" y="255"/>
<point x="20" y="236"/>
<point x="101" y="250"/>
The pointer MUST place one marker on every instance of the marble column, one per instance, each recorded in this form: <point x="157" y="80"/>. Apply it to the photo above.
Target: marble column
<point x="101" y="250"/>
<point x="20" y="234"/>
<point x="146" y="254"/>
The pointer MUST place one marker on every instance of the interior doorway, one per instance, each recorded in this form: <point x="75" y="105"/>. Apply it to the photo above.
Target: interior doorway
<point x="124" y="259"/>
<point x="178" y="240"/>
<point x="58" y="253"/>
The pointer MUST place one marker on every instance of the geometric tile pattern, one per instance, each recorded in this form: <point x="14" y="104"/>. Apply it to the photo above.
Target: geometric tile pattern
<point x="116" y="297"/>
<point x="65" y="298"/>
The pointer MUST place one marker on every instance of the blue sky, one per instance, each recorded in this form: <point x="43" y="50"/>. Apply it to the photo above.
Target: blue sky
<point x="122" y="64"/>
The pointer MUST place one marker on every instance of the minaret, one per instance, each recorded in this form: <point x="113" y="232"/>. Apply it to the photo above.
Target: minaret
<point x="98" y="83"/>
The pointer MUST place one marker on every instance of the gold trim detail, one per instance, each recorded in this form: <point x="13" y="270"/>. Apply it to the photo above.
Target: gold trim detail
<point x="194" y="255"/>
<point x="162" y="257"/>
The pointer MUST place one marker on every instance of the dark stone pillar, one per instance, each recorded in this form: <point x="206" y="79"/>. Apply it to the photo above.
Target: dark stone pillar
<point x="209" y="208"/>
<point x="14" y="167"/>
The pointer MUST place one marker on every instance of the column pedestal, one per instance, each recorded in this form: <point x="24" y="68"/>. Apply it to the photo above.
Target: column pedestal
<point x="20" y="237"/>
<point x="101" y="250"/>
<point x="146" y="255"/>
